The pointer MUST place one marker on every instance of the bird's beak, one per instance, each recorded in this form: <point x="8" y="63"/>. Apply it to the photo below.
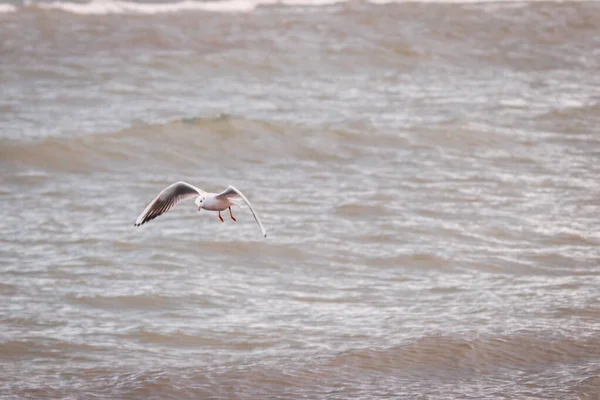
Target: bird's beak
<point x="199" y="208"/>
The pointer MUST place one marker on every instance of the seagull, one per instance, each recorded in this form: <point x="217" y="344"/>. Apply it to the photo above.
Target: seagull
<point x="178" y="191"/>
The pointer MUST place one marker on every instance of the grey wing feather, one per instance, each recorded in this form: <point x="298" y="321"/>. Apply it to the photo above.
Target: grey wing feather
<point x="233" y="192"/>
<point x="228" y="193"/>
<point x="167" y="199"/>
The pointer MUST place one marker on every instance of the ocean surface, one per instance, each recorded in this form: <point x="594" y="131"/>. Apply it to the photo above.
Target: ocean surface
<point x="428" y="174"/>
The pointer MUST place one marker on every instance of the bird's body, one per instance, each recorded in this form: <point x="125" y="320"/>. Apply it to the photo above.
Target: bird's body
<point x="173" y="194"/>
<point x="212" y="203"/>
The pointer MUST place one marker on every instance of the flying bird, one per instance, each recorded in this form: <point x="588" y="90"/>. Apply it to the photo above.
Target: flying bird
<point x="173" y="194"/>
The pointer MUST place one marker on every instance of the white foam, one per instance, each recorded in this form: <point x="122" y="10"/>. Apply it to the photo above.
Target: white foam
<point x="102" y="7"/>
<point x="6" y="8"/>
<point x="498" y="2"/>
<point x="308" y="2"/>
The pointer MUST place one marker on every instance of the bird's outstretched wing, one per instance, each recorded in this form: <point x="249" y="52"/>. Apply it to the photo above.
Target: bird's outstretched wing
<point x="233" y="192"/>
<point x="167" y="199"/>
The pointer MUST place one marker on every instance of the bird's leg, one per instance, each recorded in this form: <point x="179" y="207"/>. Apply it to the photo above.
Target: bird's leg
<point x="221" y="218"/>
<point x="231" y="215"/>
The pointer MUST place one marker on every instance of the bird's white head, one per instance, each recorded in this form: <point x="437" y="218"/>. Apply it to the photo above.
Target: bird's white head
<point x="199" y="202"/>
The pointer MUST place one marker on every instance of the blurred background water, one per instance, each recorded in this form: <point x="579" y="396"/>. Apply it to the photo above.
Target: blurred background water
<point x="427" y="172"/>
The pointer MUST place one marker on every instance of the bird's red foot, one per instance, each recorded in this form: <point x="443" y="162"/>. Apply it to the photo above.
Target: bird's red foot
<point x="231" y="215"/>
<point x="221" y="218"/>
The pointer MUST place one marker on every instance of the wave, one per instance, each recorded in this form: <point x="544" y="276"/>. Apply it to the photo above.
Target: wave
<point x="105" y="7"/>
<point x="181" y="143"/>
<point x="452" y="354"/>
<point x="140" y="302"/>
<point x="49" y="348"/>
<point x="180" y="339"/>
<point x="7" y="8"/>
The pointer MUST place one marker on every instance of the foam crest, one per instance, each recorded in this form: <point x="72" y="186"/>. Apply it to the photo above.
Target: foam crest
<point x="103" y="7"/>
<point x="504" y="2"/>
<point x="7" y="8"/>
<point x="313" y="3"/>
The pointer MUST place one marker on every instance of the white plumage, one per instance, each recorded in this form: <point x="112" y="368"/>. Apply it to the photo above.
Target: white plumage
<point x="173" y="194"/>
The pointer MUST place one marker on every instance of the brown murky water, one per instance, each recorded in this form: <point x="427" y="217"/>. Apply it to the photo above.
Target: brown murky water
<point x="428" y="174"/>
